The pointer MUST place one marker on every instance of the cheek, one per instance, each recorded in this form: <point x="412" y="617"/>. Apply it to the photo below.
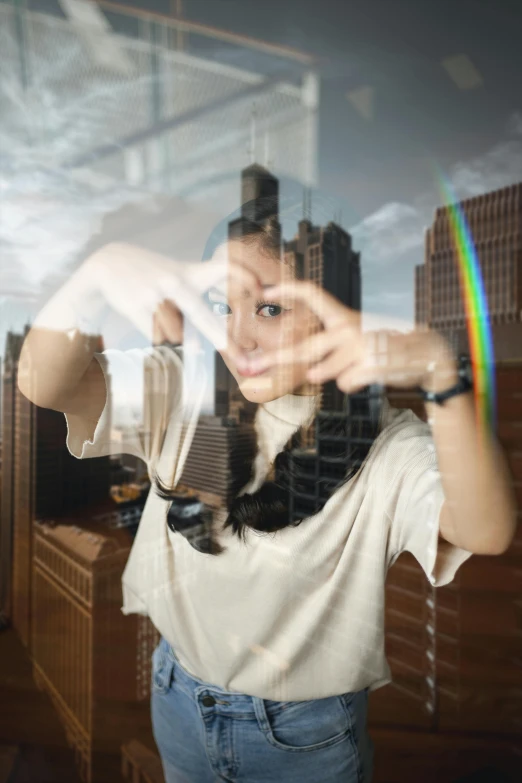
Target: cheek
<point x="271" y="334"/>
<point x="282" y="331"/>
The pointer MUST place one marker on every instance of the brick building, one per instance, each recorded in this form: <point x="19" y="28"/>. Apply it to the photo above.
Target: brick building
<point x="495" y="222"/>
<point x="9" y="391"/>
<point x="40" y="478"/>
<point x="452" y="649"/>
<point x="92" y="660"/>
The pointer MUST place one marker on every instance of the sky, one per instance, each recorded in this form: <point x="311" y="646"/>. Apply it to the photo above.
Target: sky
<point x="405" y="87"/>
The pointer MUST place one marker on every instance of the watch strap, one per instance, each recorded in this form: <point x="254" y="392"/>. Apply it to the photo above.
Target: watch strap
<point x="462" y="386"/>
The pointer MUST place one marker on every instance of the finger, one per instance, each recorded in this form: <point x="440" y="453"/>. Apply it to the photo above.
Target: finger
<point x="170" y="321"/>
<point x="158" y="335"/>
<point x="354" y="379"/>
<point x="193" y="307"/>
<point x="336" y="363"/>
<point x="214" y="329"/>
<point x="312" y="349"/>
<point x="327" y="307"/>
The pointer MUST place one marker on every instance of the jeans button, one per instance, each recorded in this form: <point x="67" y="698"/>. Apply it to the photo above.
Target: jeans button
<point x="208" y="701"/>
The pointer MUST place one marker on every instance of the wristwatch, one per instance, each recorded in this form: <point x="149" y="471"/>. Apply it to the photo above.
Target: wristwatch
<point x="463" y="385"/>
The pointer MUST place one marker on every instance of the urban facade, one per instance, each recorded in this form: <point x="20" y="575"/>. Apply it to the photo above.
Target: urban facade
<point x="495" y="223"/>
<point x="92" y="660"/>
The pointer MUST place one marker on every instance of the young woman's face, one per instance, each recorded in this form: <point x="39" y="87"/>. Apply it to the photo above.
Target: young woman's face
<point x="255" y="325"/>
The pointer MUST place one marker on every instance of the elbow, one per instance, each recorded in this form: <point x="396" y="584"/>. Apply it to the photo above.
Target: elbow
<point x="503" y="544"/>
<point x="500" y="542"/>
<point x="28" y="386"/>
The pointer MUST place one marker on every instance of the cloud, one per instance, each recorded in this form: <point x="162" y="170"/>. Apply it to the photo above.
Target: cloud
<point x="389" y="232"/>
<point x="48" y="210"/>
<point x="500" y="166"/>
<point x="385" y="236"/>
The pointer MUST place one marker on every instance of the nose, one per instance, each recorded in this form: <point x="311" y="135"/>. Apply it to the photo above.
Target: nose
<point x="241" y="331"/>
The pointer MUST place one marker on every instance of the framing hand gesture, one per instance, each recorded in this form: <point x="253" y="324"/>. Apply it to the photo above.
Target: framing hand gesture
<point x="342" y="352"/>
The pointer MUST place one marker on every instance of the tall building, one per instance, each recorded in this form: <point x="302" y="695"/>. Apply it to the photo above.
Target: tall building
<point x="225" y="439"/>
<point x="13" y="347"/>
<point x="40" y="478"/>
<point x="324" y="255"/>
<point x="259" y="200"/>
<point x="495" y="222"/>
<point x="218" y="459"/>
<point x="223" y="443"/>
<point x="92" y="660"/>
<point x="452" y="649"/>
<point x="259" y="203"/>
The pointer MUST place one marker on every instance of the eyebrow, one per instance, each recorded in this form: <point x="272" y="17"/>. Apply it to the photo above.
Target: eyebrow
<point x="245" y="291"/>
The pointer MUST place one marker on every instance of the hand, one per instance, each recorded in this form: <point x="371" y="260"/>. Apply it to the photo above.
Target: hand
<point x="342" y="352"/>
<point x="155" y="293"/>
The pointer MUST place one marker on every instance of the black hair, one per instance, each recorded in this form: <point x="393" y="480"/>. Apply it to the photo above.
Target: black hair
<point x="343" y="435"/>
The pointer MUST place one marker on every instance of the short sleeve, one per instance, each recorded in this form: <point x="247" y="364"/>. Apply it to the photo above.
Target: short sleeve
<point x="416" y="499"/>
<point x="143" y="392"/>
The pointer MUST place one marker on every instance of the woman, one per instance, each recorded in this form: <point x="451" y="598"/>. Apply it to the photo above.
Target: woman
<point x="272" y="639"/>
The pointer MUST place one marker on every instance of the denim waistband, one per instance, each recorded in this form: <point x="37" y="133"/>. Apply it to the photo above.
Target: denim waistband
<point x="229" y="702"/>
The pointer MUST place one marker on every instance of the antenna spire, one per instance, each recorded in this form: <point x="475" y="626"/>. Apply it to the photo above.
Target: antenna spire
<point x="253" y="129"/>
<point x="307" y="204"/>
<point x="267" y="160"/>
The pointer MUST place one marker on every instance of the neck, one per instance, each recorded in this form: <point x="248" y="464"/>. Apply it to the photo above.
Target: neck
<point x="306" y="390"/>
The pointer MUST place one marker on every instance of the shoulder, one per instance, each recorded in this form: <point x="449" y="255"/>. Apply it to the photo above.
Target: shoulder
<point x="403" y="442"/>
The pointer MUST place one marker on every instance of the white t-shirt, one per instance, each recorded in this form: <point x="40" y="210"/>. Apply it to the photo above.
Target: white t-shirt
<point x="289" y="616"/>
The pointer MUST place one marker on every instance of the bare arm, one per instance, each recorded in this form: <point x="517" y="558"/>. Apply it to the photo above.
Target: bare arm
<point x="480" y="509"/>
<point x="57" y="367"/>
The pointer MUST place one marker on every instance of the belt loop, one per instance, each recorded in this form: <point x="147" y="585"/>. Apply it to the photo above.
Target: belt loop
<point x="260" y="711"/>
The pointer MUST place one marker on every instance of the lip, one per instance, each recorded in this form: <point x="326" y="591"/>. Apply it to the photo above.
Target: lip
<point x="245" y="373"/>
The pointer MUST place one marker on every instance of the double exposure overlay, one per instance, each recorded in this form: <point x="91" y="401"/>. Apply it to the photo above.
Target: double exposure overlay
<point x="261" y="421"/>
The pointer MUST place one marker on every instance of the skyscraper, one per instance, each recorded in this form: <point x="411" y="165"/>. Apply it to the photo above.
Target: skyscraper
<point x="259" y="199"/>
<point x="224" y="440"/>
<point x="40" y="478"/>
<point x="324" y="255"/>
<point x="92" y="660"/>
<point x="495" y="222"/>
<point x="13" y="347"/>
<point x="452" y="651"/>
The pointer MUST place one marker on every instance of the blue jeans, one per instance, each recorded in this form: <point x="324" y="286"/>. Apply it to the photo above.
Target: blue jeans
<point x="206" y="734"/>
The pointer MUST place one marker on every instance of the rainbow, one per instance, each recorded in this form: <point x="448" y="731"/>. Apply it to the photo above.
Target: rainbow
<point x="476" y="308"/>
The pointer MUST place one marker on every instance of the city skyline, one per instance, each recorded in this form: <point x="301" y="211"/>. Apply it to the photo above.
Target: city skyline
<point x="154" y="122"/>
<point x="386" y="117"/>
<point x="432" y="682"/>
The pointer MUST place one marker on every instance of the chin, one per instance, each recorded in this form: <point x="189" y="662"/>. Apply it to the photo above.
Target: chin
<point x="258" y="389"/>
<point x="263" y="389"/>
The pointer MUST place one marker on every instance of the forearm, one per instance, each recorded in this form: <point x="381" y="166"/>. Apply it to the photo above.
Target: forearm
<point x="62" y="340"/>
<point x="474" y="473"/>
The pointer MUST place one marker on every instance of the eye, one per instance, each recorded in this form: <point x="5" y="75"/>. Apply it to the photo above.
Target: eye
<point x="269" y="310"/>
<point x="220" y="308"/>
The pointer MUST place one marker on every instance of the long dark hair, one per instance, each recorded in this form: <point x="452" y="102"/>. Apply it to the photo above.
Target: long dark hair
<point x="301" y="479"/>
